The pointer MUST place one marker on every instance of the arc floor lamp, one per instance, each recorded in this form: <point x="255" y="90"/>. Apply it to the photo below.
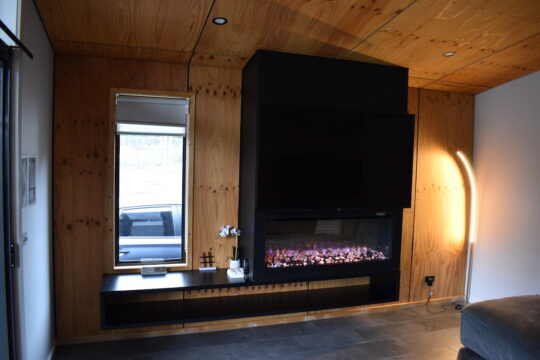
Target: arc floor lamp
<point x="471" y="236"/>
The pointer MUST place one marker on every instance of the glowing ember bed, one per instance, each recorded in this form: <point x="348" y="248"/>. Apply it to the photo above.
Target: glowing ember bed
<point x="315" y="242"/>
<point x="282" y="258"/>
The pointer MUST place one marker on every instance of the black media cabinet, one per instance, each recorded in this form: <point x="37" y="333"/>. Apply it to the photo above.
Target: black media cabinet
<point x="131" y="300"/>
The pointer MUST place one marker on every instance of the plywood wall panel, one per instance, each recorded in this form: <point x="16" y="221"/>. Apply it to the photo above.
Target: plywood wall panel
<point x="217" y="157"/>
<point x="83" y="173"/>
<point x="407" y="226"/>
<point x="441" y="204"/>
<point x="120" y="52"/>
<point x="210" y="60"/>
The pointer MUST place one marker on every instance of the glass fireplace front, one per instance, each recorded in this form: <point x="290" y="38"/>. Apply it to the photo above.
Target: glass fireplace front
<point x="319" y="242"/>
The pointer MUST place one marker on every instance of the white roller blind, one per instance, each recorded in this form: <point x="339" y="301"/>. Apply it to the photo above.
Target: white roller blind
<point x="129" y="128"/>
<point x="151" y="110"/>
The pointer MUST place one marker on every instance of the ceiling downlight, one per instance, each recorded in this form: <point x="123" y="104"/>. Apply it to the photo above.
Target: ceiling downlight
<point x="219" y="20"/>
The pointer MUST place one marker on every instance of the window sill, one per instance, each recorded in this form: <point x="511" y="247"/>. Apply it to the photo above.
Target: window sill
<point x="132" y="269"/>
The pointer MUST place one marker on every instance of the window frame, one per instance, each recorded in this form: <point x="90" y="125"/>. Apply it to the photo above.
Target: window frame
<point x="115" y="266"/>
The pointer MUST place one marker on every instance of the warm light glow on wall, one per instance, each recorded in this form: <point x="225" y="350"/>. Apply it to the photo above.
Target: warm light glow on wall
<point x="472" y="182"/>
<point x="453" y="211"/>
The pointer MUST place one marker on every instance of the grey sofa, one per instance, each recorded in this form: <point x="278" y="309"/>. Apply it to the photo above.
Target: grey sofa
<point x="503" y="329"/>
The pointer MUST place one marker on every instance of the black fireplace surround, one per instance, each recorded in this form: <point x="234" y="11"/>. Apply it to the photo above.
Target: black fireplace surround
<point x="325" y="168"/>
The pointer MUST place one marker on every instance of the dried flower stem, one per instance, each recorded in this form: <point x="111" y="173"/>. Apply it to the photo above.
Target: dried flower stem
<point x="236" y="249"/>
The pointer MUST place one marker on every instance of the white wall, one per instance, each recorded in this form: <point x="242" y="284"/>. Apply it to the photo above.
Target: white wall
<point x="507" y="163"/>
<point x="35" y="310"/>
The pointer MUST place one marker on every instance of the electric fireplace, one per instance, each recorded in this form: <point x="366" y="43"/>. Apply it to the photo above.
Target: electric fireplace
<point x="318" y="242"/>
<point x="298" y="245"/>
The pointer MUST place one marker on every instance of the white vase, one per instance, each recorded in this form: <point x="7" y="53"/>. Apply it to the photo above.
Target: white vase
<point x="234" y="264"/>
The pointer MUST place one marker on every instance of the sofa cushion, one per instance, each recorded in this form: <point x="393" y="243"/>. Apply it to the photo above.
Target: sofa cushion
<point x="505" y="329"/>
<point x="468" y="354"/>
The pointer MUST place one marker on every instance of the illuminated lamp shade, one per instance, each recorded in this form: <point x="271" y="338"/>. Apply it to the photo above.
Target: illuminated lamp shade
<point x="471" y="238"/>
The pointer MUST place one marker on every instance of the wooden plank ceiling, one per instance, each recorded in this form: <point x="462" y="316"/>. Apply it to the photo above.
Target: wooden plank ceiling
<point x="494" y="40"/>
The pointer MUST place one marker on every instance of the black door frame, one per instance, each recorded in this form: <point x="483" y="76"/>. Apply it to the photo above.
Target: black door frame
<point x="6" y="54"/>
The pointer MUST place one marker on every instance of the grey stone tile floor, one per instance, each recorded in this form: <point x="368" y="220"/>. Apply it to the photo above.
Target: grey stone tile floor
<point x="410" y="332"/>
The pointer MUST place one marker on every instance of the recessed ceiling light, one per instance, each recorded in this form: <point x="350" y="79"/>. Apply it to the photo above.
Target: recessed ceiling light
<point x="449" y="53"/>
<point x="219" y="21"/>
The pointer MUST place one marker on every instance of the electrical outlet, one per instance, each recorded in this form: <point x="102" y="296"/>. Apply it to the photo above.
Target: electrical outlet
<point x="430" y="280"/>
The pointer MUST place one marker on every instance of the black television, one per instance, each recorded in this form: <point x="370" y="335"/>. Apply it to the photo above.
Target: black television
<point x="328" y="158"/>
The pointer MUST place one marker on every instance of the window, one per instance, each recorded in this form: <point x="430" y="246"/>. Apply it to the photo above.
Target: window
<point x="150" y="180"/>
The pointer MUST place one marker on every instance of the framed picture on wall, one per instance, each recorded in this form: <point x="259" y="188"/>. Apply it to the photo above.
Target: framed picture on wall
<point x="28" y="170"/>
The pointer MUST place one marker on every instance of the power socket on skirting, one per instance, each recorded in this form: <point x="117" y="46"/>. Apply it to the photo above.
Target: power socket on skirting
<point x="429" y="280"/>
